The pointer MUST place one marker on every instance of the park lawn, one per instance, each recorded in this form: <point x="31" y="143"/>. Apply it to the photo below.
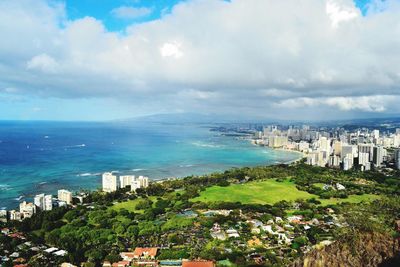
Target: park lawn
<point x="269" y="192"/>
<point x="130" y="205"/>
<point x="264" y="192"/>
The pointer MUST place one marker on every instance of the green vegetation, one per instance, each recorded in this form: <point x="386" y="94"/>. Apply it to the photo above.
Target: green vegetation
<point x="270" y="192"/>
<point x="171" y="215"/>
<point x="135" y="205"/>
<point x="350" y="199"/>
<point x="263" y="192"/>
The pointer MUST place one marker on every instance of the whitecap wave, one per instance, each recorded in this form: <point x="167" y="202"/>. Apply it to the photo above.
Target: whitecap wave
<point x="75" y="146"/>
<point x="186" y="166"/>
<point x="19" y="198"/>
<point x="88" y="174"/>
<point x="201" y="144"/>
<point x="138" y="170"/>
<point x="5" y="187"/>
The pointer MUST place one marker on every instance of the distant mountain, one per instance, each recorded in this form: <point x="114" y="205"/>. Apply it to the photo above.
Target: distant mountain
<point x="218" y="118"/>
<point x="197" y="118"/>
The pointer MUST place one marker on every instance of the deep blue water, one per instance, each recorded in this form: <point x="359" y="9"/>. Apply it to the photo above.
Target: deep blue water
<point x="40" y="157"/>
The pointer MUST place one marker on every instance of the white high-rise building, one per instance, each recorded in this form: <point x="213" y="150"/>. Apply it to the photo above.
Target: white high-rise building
<point x="375" y="134"/>
<point x="324" y="144"/>
<point x="27" y="209"/>
<point x="277" y="141"/>
<point x="379" y="154"/>
<point x="110" y="182"/>
<point x="348" y="162"/>
<point x="39" y="201"/>
<point x="367" y="148"/>
<point x="144" y="181"/>
<point x="48" y="202"/>
<point x="65" y="195"/>
<point x="135" y="184"/>
<point x="348" y="149"/>
<point x="15" y="215"/>
<point x="125" y="180"/>
<point x="3" y="216"/>
<point x="363" y="158"/>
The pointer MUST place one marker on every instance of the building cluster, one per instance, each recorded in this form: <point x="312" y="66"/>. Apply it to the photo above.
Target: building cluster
<point x="24" y="249"/>
<point x="362" y="149"/>
<point x="40" y="202"/>
<point x="112" y="182"/>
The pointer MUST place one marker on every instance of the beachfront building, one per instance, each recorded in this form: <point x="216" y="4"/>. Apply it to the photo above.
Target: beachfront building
<point x="15" y="215"/>
<point x="110" y="182"/>
<point x="126" y="180"/>
<point x="3" y="216"/>
<point x="27" y="209"/>
<point x="65" y="195"/>
<point x="277" y="141"/>
<point x="140" y="182"/>
<point x="143" y="181"/>
<point x="43" y="202"/>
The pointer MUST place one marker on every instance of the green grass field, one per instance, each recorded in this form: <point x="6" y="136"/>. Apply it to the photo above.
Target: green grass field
<point x="264" y="192"/>
<point x="268" y="192"/>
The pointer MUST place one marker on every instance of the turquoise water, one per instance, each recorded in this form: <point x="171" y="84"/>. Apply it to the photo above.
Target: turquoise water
<point x="40" y="157"/>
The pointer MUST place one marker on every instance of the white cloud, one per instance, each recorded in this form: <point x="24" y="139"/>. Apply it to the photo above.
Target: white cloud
<point x="43" y="62"/>
<point x="362" y="103"/>
<point x="244" y="55"/>
<point x="128" y="12"/>
<point x="171" y="49"/>
<point x="340" y="12"/>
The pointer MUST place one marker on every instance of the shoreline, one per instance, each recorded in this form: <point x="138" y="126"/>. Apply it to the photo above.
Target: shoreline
<point x="163" y="179"/>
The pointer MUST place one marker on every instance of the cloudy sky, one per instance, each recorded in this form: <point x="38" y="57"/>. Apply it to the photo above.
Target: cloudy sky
<point x="287" y="59"/>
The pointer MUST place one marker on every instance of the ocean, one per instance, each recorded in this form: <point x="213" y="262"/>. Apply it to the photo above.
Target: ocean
<point x="42" y="157"/>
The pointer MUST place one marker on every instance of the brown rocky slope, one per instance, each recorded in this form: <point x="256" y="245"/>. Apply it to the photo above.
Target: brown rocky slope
<point x="364" y="249"/>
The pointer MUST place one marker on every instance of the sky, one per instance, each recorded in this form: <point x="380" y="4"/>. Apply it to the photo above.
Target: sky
<point x="114" y="59"/>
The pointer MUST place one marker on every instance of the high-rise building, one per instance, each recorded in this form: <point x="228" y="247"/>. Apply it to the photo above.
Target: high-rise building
<point x="348" y="162"/>
<point x="337" y="147"/>
<point x="43" y="202"/>
<point x="144" y="181"/>
<point x="125" y="180"/>
<point x="3" y="216"/>
<point x="324" y="144"/>
<point x="27" y="209"/>
<point x="48" y="202"/>
<point x="277" y="141"/>
<point x="334" y="161"/>
<point x="346" y="150"/>
<point x="379" y="154"/>
<point x="65" y="195"/>
<point x="110" y="182"/>
<point x="397" y="158"/>
<point x="363" y="158"/>
<point x="39" y="201"/>
<point x="15" y="215"/>
<point x="367" y="148"/>
<point x="375" y="134"/>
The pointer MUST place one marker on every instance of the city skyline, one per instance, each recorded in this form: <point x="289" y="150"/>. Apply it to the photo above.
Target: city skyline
<point x="84" y="60"/>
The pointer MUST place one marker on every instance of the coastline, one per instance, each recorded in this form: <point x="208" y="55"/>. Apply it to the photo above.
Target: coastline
<point x="51" y="186"/>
